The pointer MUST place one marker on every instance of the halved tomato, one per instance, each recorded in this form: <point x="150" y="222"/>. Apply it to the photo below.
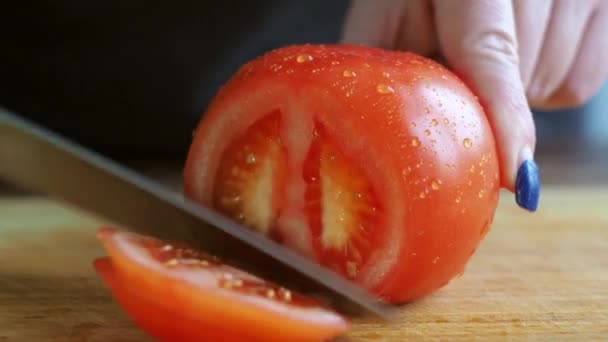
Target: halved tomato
<point x="379" y="165"/>
<point x="178" y="294"/>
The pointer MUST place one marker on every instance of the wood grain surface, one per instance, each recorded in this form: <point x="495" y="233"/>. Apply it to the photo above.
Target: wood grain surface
<point x="541" y="276"/>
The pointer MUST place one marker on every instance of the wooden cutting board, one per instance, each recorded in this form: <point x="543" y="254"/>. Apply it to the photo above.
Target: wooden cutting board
<point x="542" y="276"/>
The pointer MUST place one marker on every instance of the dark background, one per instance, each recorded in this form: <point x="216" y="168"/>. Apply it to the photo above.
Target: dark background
<point x="131" y="79"/>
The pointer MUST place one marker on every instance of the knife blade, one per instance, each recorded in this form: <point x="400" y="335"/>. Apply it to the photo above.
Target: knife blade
<point x="36" y="158"/>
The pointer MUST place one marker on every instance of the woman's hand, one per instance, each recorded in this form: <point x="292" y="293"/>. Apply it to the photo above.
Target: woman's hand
<point x="546" y="53"/>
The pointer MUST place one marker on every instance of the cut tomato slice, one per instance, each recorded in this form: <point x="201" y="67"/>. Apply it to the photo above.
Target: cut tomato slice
<point x="178" y="294"/>
<point x="379" y="165"/>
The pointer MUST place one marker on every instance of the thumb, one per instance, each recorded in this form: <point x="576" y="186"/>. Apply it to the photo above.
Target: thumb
<point x="477" y="38"/>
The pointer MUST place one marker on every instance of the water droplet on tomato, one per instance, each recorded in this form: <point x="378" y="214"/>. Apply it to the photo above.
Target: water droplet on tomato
<point x="303" y="58"/>
<point x="250" y="159"/>
<point x="386" y="74"/>
<point x="413" y="124"/>
<point x="446" y="121"/>
<point x="349" y="73"/>
<point x="166" y="248"/>
<point x="422" y="194"/>
<point x="436" y="260"/>
<point x="481" y="193"/>
<point x="458" y="199"/>
<point x="467" y="143"/>
<point x="436" y="184"/>
<point x="276" y="67"/>
<point x="415" y="142"/>
<point x="384" y="89"/>
<point x="427" y="132"/>
<point x="285" y="294"/>
<point x="427" y="110"/>
<point x="434" y="122"/>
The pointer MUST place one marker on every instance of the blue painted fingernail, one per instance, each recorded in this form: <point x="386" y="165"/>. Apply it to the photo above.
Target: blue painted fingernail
<point x="527" y="186"/>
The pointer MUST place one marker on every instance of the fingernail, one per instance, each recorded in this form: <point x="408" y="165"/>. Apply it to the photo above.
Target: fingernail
<point x="527" y="185"/>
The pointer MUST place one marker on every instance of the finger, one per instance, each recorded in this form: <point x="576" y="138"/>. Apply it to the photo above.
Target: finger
<point x="590" y="69"/>
<point x="562" y="39"/>
<point x="372" y="23"/>
<point x="531" y="20"/>
<point x="416" y="30"/>
<point x="478" y="40"/>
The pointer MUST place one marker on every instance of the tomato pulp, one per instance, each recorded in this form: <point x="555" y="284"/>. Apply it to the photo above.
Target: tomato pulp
<point x="379" y="165"/>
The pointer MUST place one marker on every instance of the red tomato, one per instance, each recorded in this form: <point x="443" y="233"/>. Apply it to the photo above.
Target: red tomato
<point x="379" y="165"/>
<point x="178" y="294"/>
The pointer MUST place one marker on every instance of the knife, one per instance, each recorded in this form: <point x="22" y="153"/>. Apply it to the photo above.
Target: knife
<point x="38" y="159"/>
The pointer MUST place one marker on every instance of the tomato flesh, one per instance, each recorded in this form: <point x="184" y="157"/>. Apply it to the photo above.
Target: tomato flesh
<point x="252" y="175"/>
<point x="178" y="294"/>
<point x="342" y="208"/>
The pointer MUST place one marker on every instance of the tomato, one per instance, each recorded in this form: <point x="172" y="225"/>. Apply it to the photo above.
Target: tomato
<point x="178" y="294"/>
<point x="379" y="165"/>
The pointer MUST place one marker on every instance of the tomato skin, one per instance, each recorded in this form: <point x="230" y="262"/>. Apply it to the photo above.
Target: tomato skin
<point x="414" y="128"/>
<point x="153" y="317"/>
<point x="170" y="304"/>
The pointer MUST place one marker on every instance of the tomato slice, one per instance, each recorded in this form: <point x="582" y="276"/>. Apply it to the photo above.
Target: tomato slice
<point x="379" y="165"/>
<point x="178" y="294"/>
